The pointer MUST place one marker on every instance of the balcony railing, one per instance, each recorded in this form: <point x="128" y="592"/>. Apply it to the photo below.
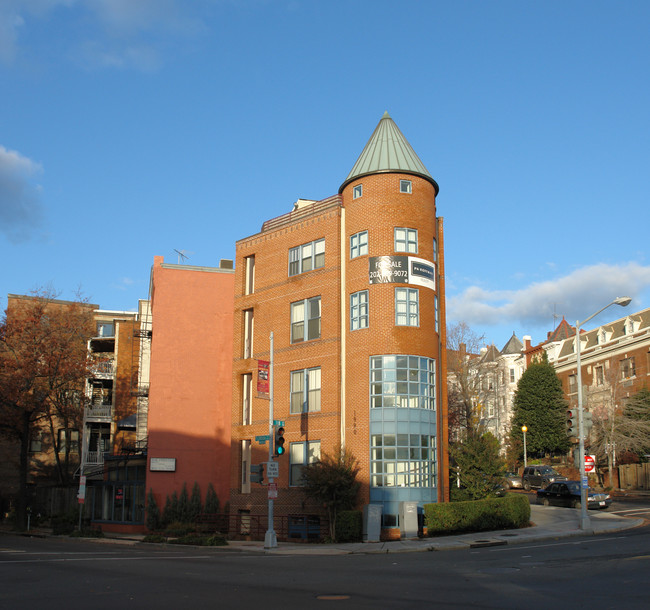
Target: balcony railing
<point x="95" y="457"/>
<point x="99" y="411"/>
<point x="103" y="369"/>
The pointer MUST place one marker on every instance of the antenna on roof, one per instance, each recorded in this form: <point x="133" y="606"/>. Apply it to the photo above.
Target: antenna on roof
<point x="182" y="255"/>
<point x="555" y="317"/>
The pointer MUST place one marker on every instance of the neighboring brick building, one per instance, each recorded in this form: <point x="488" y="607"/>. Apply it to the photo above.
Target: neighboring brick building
<point x="352" y="288"/>
<point x="190" y="379"/>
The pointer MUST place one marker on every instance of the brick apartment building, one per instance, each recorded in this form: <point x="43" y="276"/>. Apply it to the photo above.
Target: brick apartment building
<point x="352" y="288"/>
<point x="190" y="379"/>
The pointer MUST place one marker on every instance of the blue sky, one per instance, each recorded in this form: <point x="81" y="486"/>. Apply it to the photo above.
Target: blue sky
<point x="130" y="128"/>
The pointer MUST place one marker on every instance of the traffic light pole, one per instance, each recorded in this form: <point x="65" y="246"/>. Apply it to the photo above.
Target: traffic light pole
<point x="270" y="539"/>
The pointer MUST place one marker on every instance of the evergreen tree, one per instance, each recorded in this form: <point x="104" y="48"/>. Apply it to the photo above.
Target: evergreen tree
<point x="184" y="506"/>
<point x="195" y="507"/>
<point x="478" y="467"/>
<point x="211" y="501"/>
<point x="540" y="405"/>
<point x="153" y="512"/>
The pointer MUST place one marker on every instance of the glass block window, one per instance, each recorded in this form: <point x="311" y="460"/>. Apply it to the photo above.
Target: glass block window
<point x="406" y="240"/>
<point x="402" y="381"/>
<point x="359" y="244"/>
<point x="402" y="460"/>
<point x="407" y="307"/>
<point x="307" y="257"/>
<point x="359" y="310"/>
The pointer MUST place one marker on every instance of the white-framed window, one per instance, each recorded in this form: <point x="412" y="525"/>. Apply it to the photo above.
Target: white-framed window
<point x="359" y="244"/>
<point x="627" y="368"/>
<point x="248" y="333"/>
<point x="301" y="454"/>
<point x="406" y="240"/>
<point x="435" y="250"/>
<point x="246" y="466"/>
<point x="402" y="460"/>
<point x="249" y="278"/>
<point x="407" y="307"/>
<point x="306" y="257"/>
<point x="436" y="313"/>
<point x="305" y="320"/>
<point x="105" y="329"/>
<point x="247" y="398"/>
<point x="305" y="390"/>
<point x="405" y="186"/>
<point x="573" y="385"/>
<point x="359" y="310"/>
<point x="357" y="191"/>
<point x="512" y="375"/>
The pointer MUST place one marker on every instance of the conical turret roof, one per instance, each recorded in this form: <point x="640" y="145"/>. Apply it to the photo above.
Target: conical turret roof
<point x="388" y="151"/>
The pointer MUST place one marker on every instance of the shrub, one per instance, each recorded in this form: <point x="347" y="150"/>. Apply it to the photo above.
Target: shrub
<point x="157" y="538"/>
<point x="481" y="515"/>
<point x="87" y="532"/>
<point x="200" y="540"/>
<point x="349" y="526"/>
<point x="64" y="523"/>
<point x="179" y="528"/>
<point x="211" y="501"/>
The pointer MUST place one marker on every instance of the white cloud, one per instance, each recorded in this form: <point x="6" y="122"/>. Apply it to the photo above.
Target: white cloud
<point x="574" y="296"/>
<point x="20" y="207"/>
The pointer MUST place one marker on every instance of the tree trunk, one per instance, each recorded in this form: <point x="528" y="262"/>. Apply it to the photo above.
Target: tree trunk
<point x="21" y="500"/>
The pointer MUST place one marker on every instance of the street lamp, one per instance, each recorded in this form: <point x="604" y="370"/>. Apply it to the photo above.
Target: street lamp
<point x="524" y="429"/>
<point x="584" y="519"/>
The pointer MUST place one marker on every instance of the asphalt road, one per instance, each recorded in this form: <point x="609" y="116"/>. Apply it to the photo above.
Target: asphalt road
<point x="590" y="572"/>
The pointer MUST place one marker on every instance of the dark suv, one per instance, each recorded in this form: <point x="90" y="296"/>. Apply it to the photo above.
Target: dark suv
<point x="540" y="476"/>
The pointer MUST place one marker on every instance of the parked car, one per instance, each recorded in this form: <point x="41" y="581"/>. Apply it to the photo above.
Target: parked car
<point x="540" y="476"/>
<point x="567" y="493"/>
<point x="511" y="480"/>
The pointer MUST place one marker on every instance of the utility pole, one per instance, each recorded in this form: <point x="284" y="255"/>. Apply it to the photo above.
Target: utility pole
<point x="270" y="538"/>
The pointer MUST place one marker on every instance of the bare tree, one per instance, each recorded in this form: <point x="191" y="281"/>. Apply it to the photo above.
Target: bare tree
<point x="465" y="382"/>
<point x="620" y="423"/>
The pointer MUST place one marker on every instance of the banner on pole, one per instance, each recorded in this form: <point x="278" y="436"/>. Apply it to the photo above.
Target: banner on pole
<point x="263" y="379"/>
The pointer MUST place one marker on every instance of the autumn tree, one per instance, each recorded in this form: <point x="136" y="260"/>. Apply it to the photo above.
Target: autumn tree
<point x="332" y="483"/>
<point x="43" y="368"/>
<point x="540" y="405"/>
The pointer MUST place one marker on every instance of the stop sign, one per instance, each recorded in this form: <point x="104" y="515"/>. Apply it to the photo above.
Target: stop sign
<point x="590" y="463"/>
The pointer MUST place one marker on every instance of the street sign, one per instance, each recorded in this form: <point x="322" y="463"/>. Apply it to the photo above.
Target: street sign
<point x="273" y="491"/>
<point x="590" y="463"/>
<point x="272" y="470"/>
<point x="263" y="438"/>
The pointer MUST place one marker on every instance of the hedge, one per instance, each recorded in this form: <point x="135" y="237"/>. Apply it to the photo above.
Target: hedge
<point x="509" y="512"/>
<point x="349" y="526"/>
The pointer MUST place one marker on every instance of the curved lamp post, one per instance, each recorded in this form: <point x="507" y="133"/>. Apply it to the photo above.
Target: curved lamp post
<point x="584" y="486"/>
<point x="524" y="428"/>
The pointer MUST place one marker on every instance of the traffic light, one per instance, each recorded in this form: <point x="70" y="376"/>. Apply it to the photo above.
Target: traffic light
<point x="257" y="473"/>
<point x="572" y="422"/>
<point x="280" y="449"/>
<point x="587" y="422"/>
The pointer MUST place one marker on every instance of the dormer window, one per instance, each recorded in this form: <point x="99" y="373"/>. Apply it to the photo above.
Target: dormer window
<point x="357" y="191"/>
<point x="405" y="186"/>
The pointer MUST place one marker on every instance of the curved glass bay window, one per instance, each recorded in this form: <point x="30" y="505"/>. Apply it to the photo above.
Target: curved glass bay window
<point x="402" y="381"/>
<point x="403" y="460"/>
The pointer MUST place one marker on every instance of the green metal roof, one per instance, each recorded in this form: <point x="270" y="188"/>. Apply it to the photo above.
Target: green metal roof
<point x="388" y="151"/>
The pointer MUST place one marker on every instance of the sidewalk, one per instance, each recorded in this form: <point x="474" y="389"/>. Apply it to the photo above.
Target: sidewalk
<point x="549" y="523"/>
